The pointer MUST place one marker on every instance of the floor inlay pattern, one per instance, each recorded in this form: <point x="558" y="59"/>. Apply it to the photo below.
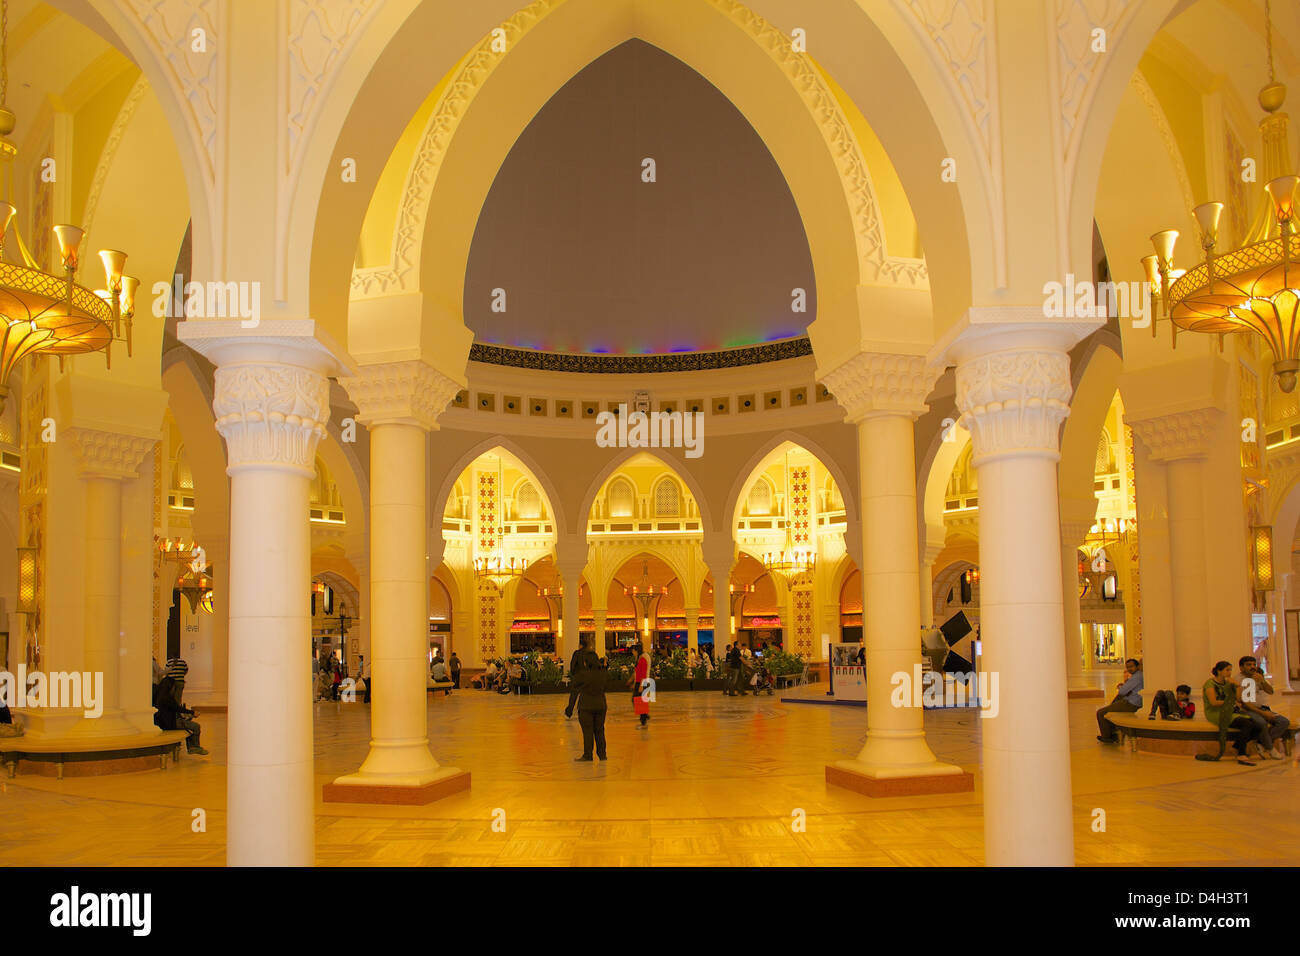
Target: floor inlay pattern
<point x="712" y="780"/>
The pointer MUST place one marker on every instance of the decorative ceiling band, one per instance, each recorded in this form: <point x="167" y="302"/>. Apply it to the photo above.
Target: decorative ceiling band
<point x="638" y="364"/>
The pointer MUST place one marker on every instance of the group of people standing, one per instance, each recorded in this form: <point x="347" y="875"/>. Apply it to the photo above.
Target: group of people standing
<point x="1239" y="708"/>
<point x="587" y="680"/>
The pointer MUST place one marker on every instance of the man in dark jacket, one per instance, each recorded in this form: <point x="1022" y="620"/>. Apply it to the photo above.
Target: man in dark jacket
<point x="574" y="663"/>
<point x="589" y="680"/>
<point x="172" y="714"/>
<point x="735" y="664"/>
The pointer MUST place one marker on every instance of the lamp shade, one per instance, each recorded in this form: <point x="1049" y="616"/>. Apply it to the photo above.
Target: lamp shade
<point x="69" y="239"/>
<point x="1282" y="192"/>
<point x="1261" y="538"/>
<point x="1207" y="216"/>
<point x="27" y="583"/>
<point x="1164" y="244"/>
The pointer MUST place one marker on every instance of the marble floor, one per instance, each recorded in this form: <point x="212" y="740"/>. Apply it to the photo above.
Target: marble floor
<point x="712" y="781"/>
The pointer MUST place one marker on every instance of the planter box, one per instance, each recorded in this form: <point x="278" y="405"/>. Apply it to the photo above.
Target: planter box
<point x="549" y="688"/>
<point x="709" y="684"/>
<point x="673" y="683"/>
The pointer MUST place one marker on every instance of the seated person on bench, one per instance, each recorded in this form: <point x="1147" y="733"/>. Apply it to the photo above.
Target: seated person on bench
<point x="8" y="726"/>
<point x="172" y="713"/>
<point x="1221" y="693"/>
<point x="1253" y="702"/>
<point x="1128" y="700"/>
<point x="439" y="674"/>
<point x="1174" y="704"/>
<point x="514" y="678"/>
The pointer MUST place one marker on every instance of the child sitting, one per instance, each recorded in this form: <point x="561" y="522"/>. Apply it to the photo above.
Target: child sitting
<point x="1174" y="705"/>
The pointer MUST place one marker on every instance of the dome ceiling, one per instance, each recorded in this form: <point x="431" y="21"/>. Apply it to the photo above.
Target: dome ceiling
<point x="592" y="259"/>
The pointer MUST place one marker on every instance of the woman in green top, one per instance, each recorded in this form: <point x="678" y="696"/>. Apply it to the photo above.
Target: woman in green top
<point x="1220" y="693"/>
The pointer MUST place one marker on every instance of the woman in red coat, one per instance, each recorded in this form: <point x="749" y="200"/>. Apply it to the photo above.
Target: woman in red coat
<point x="641" y="704"/>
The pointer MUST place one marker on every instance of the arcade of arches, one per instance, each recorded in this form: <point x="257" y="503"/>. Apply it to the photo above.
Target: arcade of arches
<point x="477" y="233"/>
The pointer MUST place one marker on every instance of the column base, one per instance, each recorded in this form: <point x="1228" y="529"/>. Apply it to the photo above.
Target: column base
<point x="899" y="781"/>
<point x="71" y="722"/>
<point x="142" y="720"/>
<point x="382" y="789"/>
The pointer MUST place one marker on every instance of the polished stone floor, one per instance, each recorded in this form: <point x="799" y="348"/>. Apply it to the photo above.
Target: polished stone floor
<point x="712" y="781"/>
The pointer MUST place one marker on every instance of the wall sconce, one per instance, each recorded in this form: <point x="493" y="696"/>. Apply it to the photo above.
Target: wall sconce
<point x="1261" y="537"/>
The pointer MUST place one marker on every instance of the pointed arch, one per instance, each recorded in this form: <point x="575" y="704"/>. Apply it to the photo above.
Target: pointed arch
<point x="526" y="464"/>
<point x="745" y="476"/>
<point x="675" y="466"/>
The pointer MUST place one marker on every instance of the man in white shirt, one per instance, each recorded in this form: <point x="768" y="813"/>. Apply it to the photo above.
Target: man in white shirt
<point x="1255" y="692"/>
<point x="440" y="675"/>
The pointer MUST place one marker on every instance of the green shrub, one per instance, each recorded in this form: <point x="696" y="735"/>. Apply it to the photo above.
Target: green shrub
<point x="672" y="667"/>
<point x="783" y="662"/>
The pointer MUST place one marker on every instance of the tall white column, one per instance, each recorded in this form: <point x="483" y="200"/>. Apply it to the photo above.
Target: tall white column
<point x="1013" y="387"/>
<point x="720" y="557"/>
<point x="883" y="394"/>
<point x="692" y="629"/>
<point x="271" y="404"/>
<point x="929" y="554"/>
<point x="598" y="626"/>
<point x="1176" y="443"/>
<point x="399" y="403"/>
<point x="570" y="561"/>
<point x="104" y="460"/>
<point x="1072" y="537"/>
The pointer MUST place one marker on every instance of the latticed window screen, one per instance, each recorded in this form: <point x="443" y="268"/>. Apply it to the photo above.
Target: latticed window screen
<point x="1105" y="462"/>
<point x="760" y="498"/>
<point x="528" y="502"/>
<point x="620" y="499"/>
<point x="834" y="500"/>
<point x="668" y="502"/>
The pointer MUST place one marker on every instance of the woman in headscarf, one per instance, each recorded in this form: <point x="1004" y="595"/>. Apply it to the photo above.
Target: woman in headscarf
<point x="588" y="679"/>
<point x="640" y="682"/>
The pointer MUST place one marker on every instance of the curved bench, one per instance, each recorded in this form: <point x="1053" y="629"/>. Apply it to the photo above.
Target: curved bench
<point x="61" y="750"/>
<point x="1133" y="727"/>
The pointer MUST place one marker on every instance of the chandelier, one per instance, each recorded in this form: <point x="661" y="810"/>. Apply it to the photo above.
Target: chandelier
<point x="645" y="593"/>
<point x="44" y="313"/>
<point x="497" y="568"/>
<point x="1254" y="288"/>
<point x="792" y="561"/>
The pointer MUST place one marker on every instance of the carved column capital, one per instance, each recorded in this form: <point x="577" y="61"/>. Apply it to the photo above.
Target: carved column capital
<point x="411" y="393"/>
<point x="1013" y="402"/>
<point x="271" y="416"/>
<point x="1073" y="533"/>
<point x="882" y="383"/>
<point x="1178" y="434"/>
<point x="719" y="553"/>
<point x="109" y="454"/>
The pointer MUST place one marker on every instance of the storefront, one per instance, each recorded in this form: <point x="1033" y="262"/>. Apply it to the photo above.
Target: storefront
<point x="439" y="638"/>
<point x="528" y="637"/>
<point x="755" y="631"/>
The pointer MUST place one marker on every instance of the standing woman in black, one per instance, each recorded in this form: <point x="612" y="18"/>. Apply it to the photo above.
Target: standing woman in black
<point x="589" y="680"/>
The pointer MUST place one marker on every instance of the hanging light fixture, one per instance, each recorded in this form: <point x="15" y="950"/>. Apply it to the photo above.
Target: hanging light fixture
<point x="1255" y="288"/>
<point x="643" y="592"/>
<point x="496" y="567"/>
<point x="737" y="595"/>
<point x="40" y="312"/>
<point x="793" y="560"/>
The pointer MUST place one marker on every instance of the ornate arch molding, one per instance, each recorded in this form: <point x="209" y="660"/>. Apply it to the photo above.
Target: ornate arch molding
<point x="745" y="476"/>
<point x="675" y="467"/>
<point x="677" y="555"/>
<point x="535" y="474"/>
<point x="401" y="274"/>
<point x="109" y="152"/>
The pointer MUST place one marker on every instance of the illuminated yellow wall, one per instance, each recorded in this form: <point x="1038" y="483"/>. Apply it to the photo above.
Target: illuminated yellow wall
<point x="91" y="126"/>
